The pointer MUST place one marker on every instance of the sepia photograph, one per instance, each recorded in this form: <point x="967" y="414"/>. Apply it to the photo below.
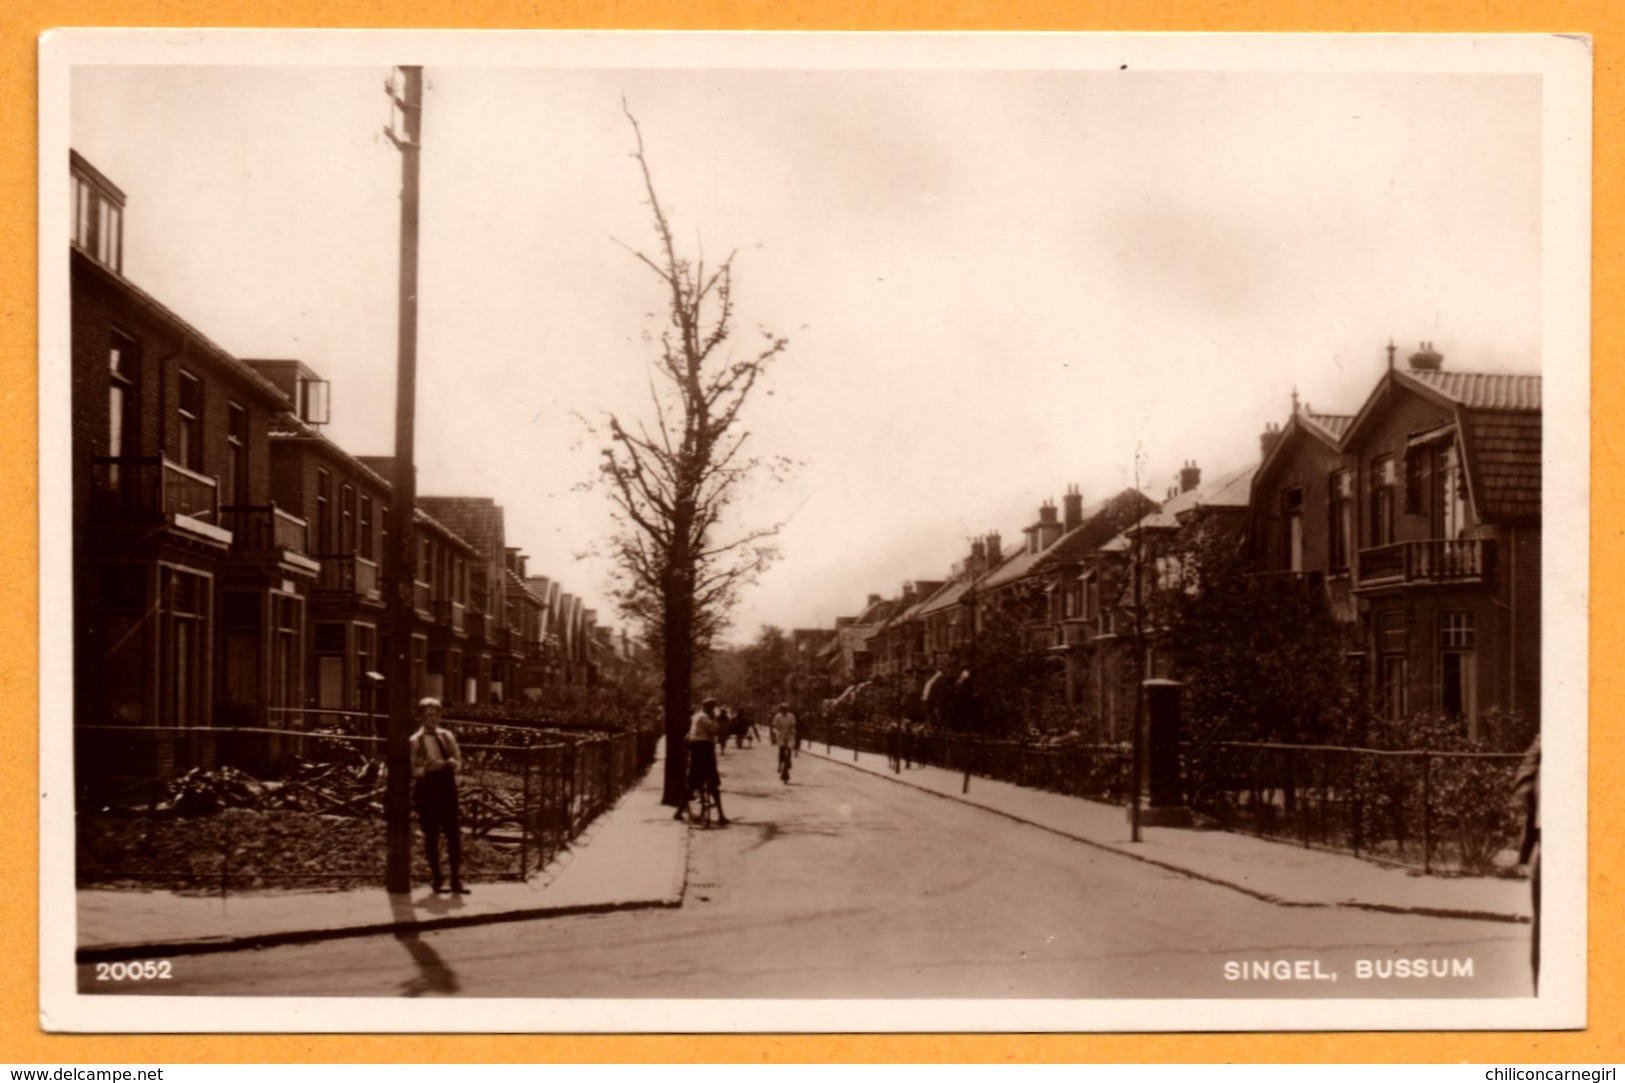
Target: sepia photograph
<point x="658" y="532"/>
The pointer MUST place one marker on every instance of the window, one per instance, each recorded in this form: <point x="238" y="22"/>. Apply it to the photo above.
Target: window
<point x="236" y="480"/>
<point x="1292" y="507"/>
<point x="324" y="511"/>
<point x="1392" y="642"/>
<point x="1383" y="483"/>
<point x="1342" y="518"/>
<point x="122" y="419"/>
<point x="184" y="603"/>
<point x="347" y="519"/>
<point x="1458" y="668"/>
<point x="190" y="449"/>
<point x="1450" y="493"/>
<point x="364" y="546"/>
<point x="97" y="223"/>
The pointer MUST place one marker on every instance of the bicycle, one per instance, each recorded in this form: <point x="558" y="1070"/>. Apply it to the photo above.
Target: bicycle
<point x="707" y="803"/>
<point x="784" y="763"/>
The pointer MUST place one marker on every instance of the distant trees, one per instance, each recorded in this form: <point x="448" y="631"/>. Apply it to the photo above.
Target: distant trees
<point x="674" y="474"/>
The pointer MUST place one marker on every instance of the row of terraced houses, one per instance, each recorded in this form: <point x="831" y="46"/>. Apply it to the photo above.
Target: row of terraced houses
<point x="1415" y="519"/>
<point x="228" y="555"/>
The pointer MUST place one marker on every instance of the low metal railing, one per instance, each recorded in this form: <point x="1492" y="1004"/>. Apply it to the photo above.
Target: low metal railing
<point x="1434" y="561"/>
<point x="149" y="486"/>
<point x="347" y="573"/>
<point x="257" y="528"/>
<point x="1424" y="808"/>
<point x="527" y="790"/>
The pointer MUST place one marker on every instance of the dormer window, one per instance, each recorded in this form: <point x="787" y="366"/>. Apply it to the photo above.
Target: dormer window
<point x="96" y="209"/>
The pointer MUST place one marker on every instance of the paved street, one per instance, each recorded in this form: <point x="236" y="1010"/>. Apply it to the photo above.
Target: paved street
<point x="844" y="884"/>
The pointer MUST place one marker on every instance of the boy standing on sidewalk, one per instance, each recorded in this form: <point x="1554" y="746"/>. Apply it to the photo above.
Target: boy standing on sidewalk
<point x="436" y="760"/>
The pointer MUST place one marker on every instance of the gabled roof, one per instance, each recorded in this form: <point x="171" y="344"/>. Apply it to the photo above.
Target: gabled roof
<point x="1329" y="427"/>
<point x="1503" y="449"/>
<point x="1498" y="417"/>
<point x="1479" y="390"/>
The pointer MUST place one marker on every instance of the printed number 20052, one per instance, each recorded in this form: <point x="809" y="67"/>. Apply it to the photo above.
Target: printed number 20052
<point x="143" y="970"/>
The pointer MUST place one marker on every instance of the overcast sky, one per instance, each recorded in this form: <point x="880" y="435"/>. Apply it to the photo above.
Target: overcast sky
<point x="996" y="283"/>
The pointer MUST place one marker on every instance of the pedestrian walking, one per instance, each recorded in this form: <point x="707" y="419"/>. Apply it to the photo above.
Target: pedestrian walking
<point x="436" y="761"/>
<point x="894" y="745"/>
<point x="1526" y="801"/>
<point x="784" y="730"/>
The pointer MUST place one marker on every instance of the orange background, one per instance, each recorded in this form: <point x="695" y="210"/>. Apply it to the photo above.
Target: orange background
<point x="21" y="21"/>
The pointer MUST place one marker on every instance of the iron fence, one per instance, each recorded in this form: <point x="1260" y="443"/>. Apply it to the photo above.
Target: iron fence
<point x="1073" y="768"/>
<point x="525" y="793"/>
<point x="1438" y="811"/>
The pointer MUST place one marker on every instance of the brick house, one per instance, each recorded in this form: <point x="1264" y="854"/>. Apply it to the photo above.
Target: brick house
<point x="189" y="580"/>
<point x="346" y="503"/>
<point x="1420" y="517"/>
<point x="1447" y="474"/>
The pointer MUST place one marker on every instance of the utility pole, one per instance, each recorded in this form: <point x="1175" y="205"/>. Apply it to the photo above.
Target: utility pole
<point x="402" y="571"/>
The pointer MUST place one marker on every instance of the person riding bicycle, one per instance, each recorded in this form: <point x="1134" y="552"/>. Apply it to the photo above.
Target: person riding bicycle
<point x="784" y="735"/>
<point x="703" y="732"/>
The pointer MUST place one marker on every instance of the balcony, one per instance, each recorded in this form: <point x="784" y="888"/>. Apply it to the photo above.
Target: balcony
<point x="148" y="488"/>
<point x="450" y="614"/>
<point x="269" y="533"/>
<point x="1427" y="562"/>
<point x="349" y="574"/>
<point x="1073" y="632"/>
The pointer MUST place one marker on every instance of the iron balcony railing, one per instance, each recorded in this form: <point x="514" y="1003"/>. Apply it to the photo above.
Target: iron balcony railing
<point x="449" y="613"/>
<point x="257" y="528"/>
<point x="1434" y="561"/>
<point x="347" y="573"/>
<point x="149" y="486"/>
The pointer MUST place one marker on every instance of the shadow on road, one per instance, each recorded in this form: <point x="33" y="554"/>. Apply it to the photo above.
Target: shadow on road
<point x="433" y="976"/>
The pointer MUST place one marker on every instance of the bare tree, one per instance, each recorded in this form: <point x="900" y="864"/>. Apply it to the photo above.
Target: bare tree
<point x="673" y="475"/>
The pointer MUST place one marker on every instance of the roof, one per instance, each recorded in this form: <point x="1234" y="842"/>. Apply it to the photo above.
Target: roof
<point x="1100" y="522"/>
<point x="1331" y="426"/>
<point x="1480" y="390"/>
<point x="1503" y="449"/>
<point x="1232" y="490"/>
<point x="479" y="519"/>
<point x="190" y="335"/>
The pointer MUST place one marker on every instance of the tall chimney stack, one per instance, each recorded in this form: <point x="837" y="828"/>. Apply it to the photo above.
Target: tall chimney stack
<point x="1268" y="439"/>
<point x="1190" y="476"/>
<point x="1072" y="505"/>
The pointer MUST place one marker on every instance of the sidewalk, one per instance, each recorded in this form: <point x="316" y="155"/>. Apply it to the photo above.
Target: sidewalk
<point x="633" y="856"/>
<point x="1277" y="872"/>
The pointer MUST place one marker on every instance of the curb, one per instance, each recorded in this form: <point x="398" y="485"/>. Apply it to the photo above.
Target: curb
<point x="107" y="953"/>
<point x="122" y="952"/>
<point x="1262" y="896"/>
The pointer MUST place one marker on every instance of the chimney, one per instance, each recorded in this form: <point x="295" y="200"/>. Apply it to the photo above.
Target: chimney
<point x="874" y="599"/>
<point x="993" y="554"/>
<point x="1048" y="528"/>
<point x="1190" y="476"/>
<point x="977" y="564"/>
<point x="1073" y="503"/>
<point x="1267" y="440"/>
<point x="1427" y="359"/>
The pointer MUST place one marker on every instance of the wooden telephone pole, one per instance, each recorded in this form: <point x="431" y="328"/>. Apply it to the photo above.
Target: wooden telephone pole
<point x="401" y="578"/>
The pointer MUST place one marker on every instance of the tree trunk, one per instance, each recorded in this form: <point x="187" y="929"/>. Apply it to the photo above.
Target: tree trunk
<point x="677" y="644"/>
